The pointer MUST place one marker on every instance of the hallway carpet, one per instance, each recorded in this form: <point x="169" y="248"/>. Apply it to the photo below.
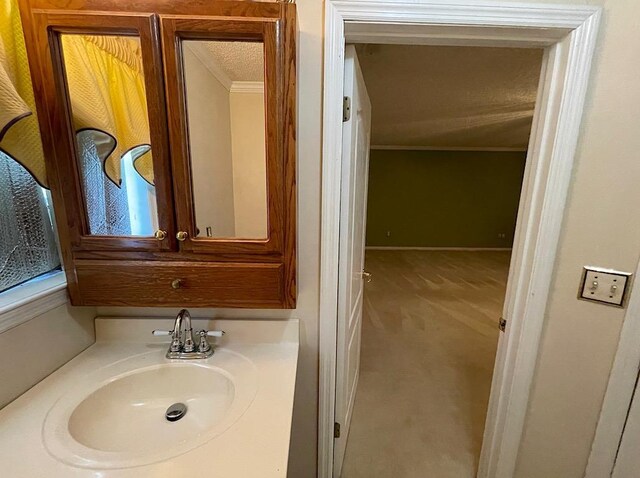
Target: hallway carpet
<point x="429" y="338"/>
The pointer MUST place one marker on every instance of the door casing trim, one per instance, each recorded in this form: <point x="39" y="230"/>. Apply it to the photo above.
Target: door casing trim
<point x="568" y="35"/>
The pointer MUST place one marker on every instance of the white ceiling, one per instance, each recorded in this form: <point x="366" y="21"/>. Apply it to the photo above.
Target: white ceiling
<point x="450" y="97"/>
<point x="239" y="60"/>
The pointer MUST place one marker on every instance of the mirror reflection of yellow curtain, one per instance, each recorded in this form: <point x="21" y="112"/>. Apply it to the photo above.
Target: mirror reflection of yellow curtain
<point x="19" y="133"/>
<point x="106" y="89"/>
<point x="106" y="86"/>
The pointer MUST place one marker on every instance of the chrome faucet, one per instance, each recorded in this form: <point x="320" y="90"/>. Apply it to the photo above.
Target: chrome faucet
<point x="176" y="343"/>
<point x="186" y="349"/>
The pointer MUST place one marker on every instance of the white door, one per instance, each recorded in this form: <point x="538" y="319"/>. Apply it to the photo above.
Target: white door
<point x="627" y="463"/>
<point x="353" y="211"/>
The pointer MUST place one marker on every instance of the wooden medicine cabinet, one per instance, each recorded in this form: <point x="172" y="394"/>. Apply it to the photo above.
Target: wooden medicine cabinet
<point x="169" y="133"/>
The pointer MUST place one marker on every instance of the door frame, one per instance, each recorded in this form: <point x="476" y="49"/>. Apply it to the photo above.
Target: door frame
<point x="568" y="35"/>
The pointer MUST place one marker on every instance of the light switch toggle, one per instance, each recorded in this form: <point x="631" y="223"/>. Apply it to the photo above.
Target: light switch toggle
<point x="604" y="285"/>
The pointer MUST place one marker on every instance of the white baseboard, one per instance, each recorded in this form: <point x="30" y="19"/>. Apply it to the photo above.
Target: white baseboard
<point x="414" y="248"/>
<point x="476" y="149"/>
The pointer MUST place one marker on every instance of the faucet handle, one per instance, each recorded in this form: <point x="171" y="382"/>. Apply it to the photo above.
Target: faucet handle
<point x="204" y="345"/>
<point x="162" y="332"/>
<point x="176" y="345"/>
<point x="213" y="333"/>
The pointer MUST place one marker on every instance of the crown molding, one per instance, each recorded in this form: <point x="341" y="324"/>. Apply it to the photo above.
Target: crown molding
<point x="247" y="87"/>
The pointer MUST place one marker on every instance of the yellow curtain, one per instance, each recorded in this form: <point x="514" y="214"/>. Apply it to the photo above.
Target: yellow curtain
<point x="106" y="87"/>
<point x="19" y="133"/>
<point x="107" y="94"/>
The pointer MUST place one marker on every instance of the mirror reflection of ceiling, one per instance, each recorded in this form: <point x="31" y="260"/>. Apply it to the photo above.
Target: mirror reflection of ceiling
<point x="240" y="61"/>
<point x="449" y="97"/>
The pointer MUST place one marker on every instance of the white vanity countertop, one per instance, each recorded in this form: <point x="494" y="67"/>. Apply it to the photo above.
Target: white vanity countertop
<point x="254" y="446"/>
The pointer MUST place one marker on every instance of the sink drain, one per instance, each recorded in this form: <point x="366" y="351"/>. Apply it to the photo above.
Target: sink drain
<point x="175" y="412"/>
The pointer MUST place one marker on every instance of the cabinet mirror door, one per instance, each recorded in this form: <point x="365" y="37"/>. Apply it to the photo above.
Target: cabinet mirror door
<point x="224" y="96"/>
<point x="105" y="82"/>
<point x="222" y="102"/>
<point x="107" y="79"/>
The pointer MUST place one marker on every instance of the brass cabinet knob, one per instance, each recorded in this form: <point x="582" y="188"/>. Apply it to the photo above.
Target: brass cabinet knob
<point x="176" y="283"/>
<point x="182" y="235"/>
<point x="160" y="234"/>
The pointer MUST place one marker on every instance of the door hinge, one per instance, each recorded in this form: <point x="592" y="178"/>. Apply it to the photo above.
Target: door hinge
<point x="336" y="430"/>
<point x="346" y="108"/>
<point x="502" y="324"/>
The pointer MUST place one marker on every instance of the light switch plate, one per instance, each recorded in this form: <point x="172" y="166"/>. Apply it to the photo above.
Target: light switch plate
<point x="606" y="286"/>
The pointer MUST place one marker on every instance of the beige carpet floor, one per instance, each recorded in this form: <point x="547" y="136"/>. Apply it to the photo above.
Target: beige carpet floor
<point x="429" y="337"/>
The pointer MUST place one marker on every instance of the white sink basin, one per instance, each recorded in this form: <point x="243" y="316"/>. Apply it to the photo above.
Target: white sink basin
<point x="132" y="409"/>
<point x="132" y="397"/>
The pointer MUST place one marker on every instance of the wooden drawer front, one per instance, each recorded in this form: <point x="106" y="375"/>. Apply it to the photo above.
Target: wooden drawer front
<point x="149" y="284"/>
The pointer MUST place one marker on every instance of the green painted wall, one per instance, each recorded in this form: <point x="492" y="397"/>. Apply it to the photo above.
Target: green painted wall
<point x="443" y="198"/>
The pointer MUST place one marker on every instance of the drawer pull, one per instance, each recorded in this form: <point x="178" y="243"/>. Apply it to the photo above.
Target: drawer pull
<point x="182" y="235"/>
<point x="177" y="283"/>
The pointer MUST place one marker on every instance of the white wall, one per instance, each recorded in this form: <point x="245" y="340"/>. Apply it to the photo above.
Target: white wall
<point x="249" y="164"/>
<point x="36" y="348"/>
<point x="208" y="108"/>
<point x="601" y="228"/>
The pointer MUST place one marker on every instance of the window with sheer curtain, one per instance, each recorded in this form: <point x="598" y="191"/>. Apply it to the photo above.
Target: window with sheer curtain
<point x="27" y="240"/>
<point x="28" y="246"/>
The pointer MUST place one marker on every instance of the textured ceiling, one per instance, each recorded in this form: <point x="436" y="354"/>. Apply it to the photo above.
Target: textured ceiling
<point x="241" y="61"/>
<point x="450" y="97"/>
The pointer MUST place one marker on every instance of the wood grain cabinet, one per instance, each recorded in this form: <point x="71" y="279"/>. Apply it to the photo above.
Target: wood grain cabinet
<point x="169" y="131"/>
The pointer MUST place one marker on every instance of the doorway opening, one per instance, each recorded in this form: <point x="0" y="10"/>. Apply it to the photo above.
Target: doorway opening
<point x="436" y="138"/>
<point x="567" y="34"/>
